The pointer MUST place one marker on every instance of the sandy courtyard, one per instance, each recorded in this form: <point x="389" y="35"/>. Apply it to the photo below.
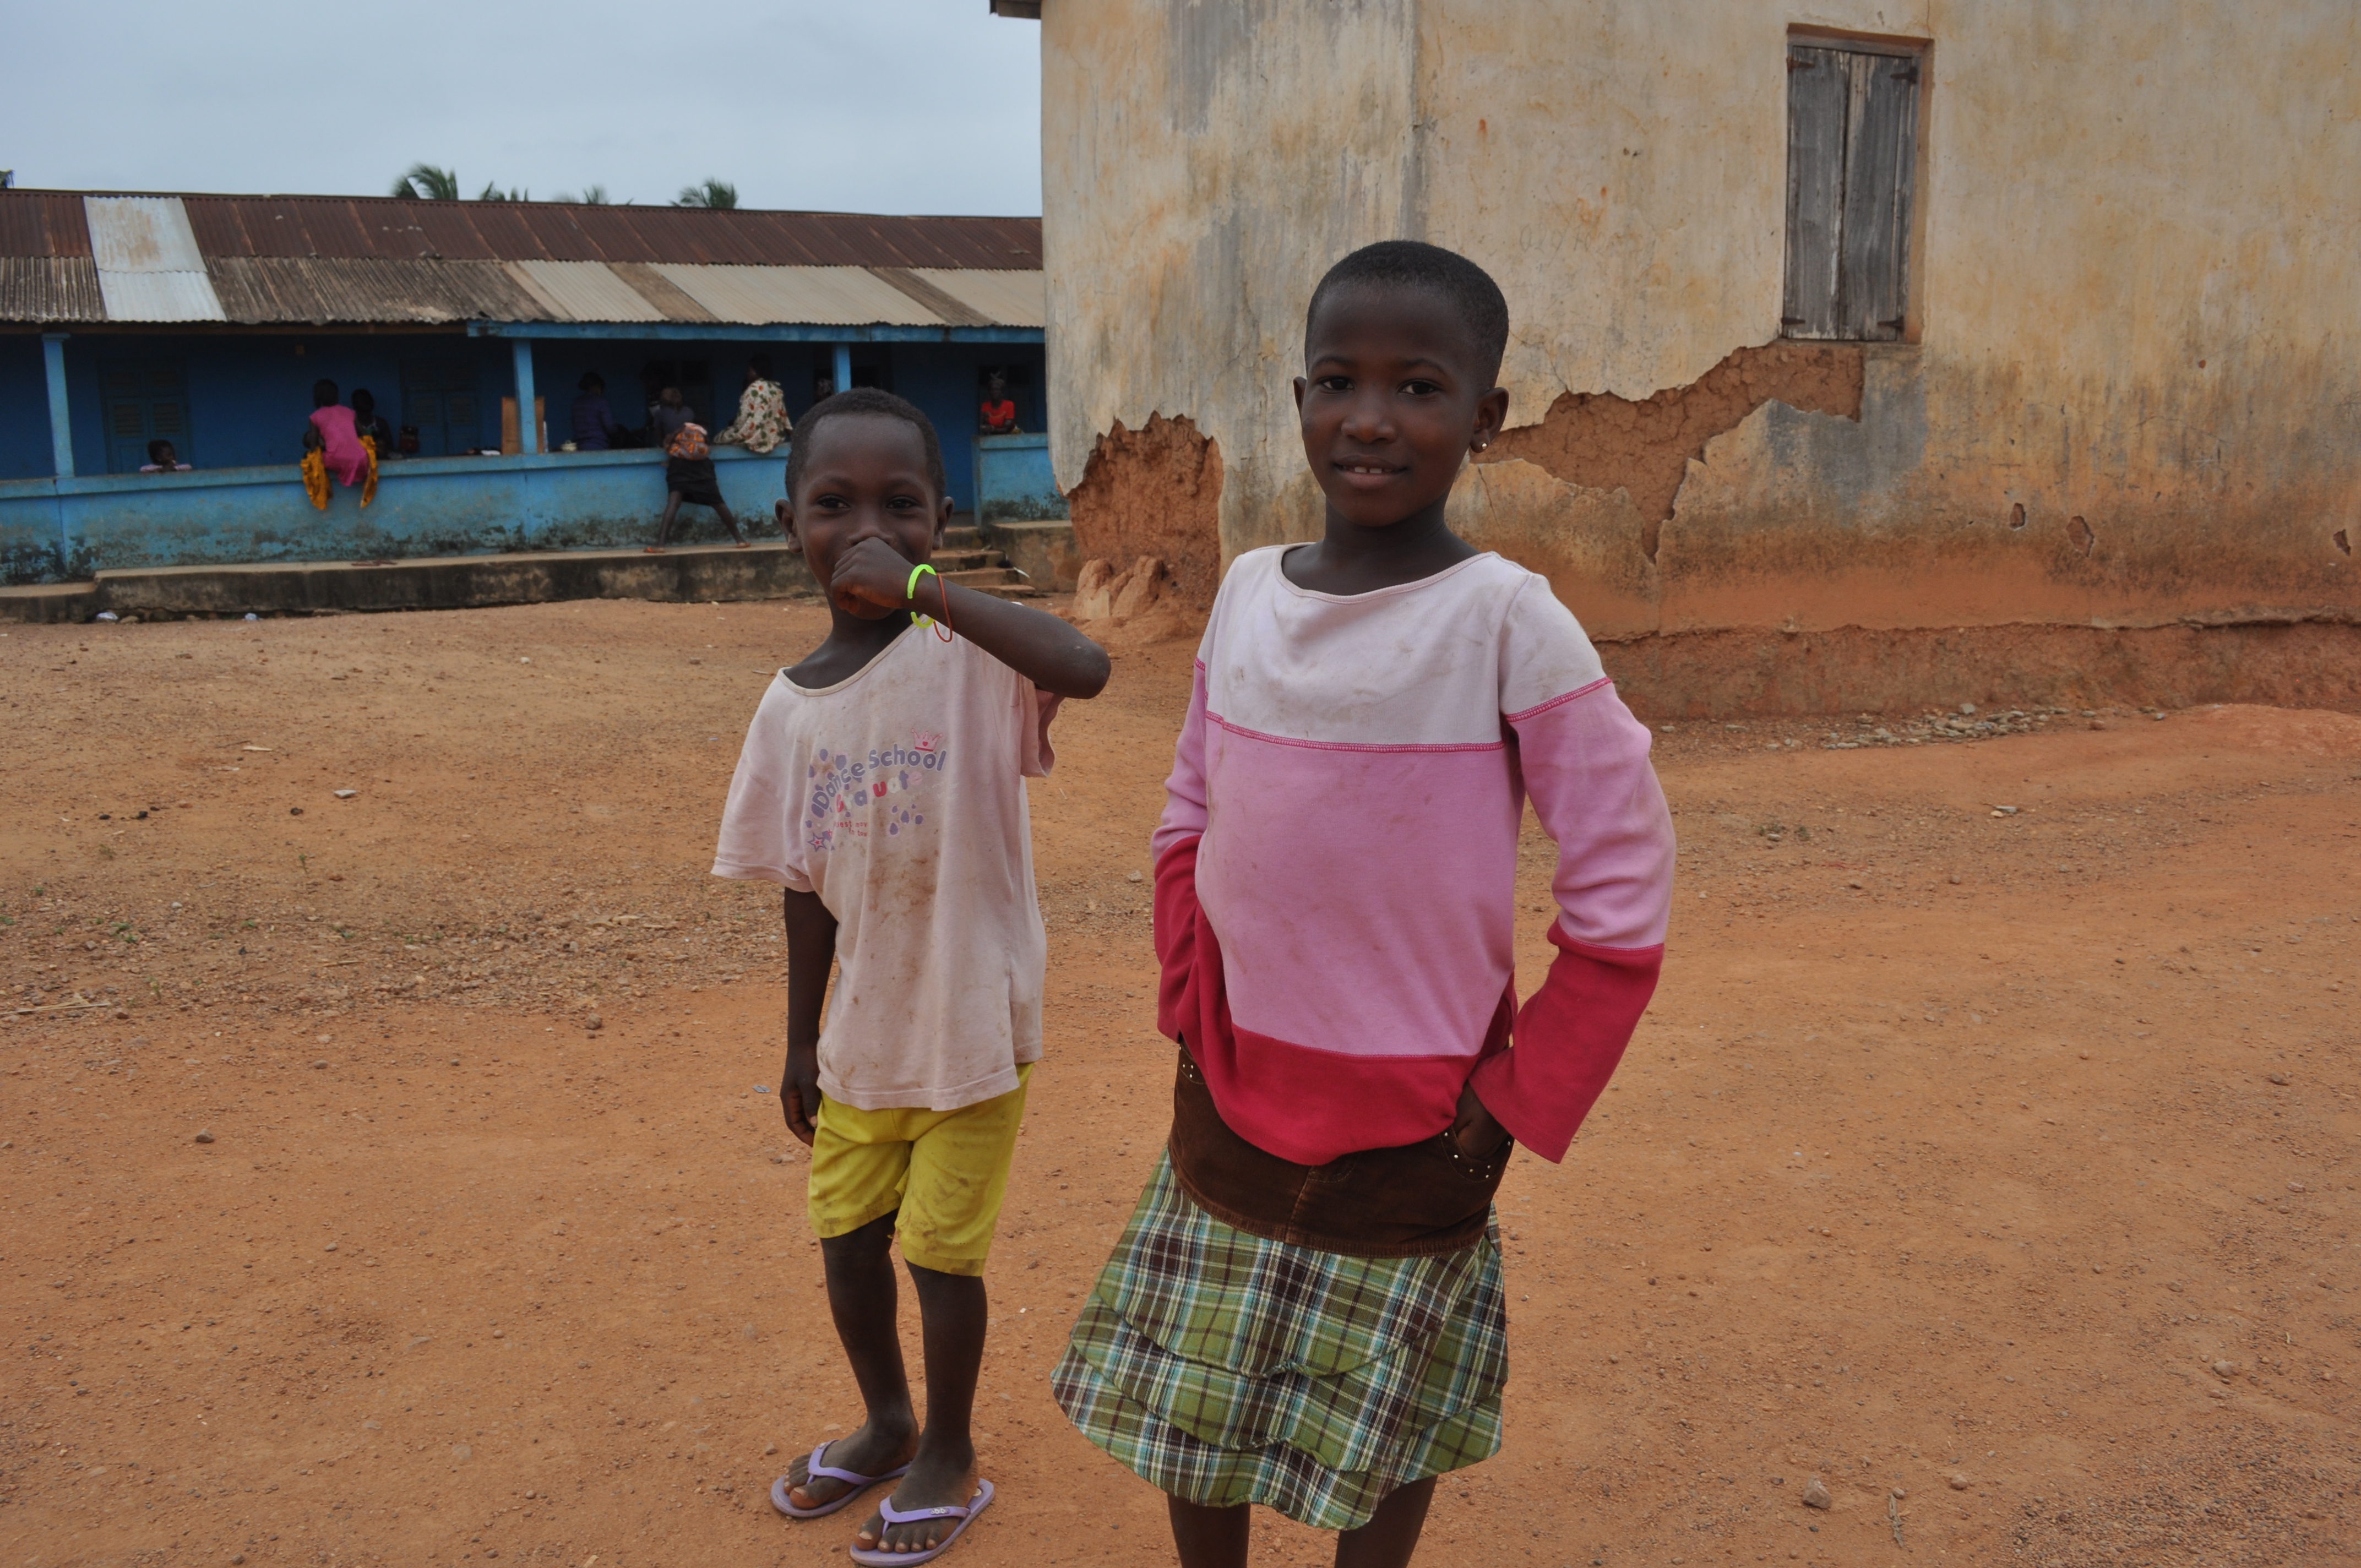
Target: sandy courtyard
<point x="1993" y="1166"/>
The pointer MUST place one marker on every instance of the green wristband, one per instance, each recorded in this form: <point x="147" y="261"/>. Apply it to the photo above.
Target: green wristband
<point x="911" y="591"/>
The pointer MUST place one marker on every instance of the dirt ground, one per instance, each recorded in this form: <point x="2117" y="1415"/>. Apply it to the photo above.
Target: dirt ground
<point x="1987" y="1153"/>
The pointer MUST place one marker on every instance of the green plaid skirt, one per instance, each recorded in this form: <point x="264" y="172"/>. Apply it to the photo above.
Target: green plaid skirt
<point x="1224" y="1369"/>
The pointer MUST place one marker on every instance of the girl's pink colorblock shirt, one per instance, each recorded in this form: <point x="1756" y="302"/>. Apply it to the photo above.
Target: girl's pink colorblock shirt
<point x="1337" y="864"/>
<point x="898" y="795"/>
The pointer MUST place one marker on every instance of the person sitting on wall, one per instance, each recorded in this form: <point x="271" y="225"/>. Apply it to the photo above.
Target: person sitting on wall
<point x="998" y="415"/>
<point x="762" y="422"/>
<point x="370" y="425"/>
<point x="162" y="459"/>
<point x="595" y="428"/>
<point x="332" y="445"/>
<point x="688" y="468"/>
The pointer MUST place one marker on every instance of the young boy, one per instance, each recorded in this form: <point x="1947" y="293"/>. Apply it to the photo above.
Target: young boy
<point x="882" y="785"/>
<point x="1306" y="1310"/>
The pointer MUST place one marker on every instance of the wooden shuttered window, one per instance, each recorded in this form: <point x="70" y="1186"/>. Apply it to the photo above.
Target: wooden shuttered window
<point x="144" y="401"/>
<point x="1852" y="139"/>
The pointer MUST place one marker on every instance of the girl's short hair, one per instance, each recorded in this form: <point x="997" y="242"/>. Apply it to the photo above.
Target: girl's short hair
<point x="1467" y="288"/>
<point x="591" y="382"/>
<point x="323" y="394"/>
<point x="364" y="401"/>
<point x="760" y="364"/>
<point x="867" y="401"/>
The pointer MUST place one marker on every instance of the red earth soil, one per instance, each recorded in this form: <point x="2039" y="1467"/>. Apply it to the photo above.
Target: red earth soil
<point x="1992" y="1166"/>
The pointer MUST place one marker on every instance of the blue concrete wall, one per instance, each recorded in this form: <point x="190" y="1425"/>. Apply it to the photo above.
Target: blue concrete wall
<point x="24" y="407"/>
<point x="250" y="394"/>
<point x="53" y="529"/>
<point x="1013" y="480"/>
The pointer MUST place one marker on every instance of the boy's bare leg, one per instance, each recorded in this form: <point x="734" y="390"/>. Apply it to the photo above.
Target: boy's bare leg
<point x="953" y="1316"/>
<point x="735" y="532"/>
<point x="861" y="1296"/>
<point x="1209" y="1538"/>
<point x="1391" y="1535"/>
<point x="664" y="537"/>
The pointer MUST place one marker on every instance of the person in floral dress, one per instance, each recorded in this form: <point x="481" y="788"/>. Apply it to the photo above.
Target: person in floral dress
<point x="762" y="422"/>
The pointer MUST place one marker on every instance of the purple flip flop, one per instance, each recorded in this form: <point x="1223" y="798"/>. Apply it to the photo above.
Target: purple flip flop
<point x="819" y="1470"/>
<point x="880" y="1557"/>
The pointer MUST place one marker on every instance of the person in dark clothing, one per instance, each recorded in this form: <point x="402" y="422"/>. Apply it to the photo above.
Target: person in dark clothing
<point x="369" y="424"/>
<point x="595" y="428"/>
<point x="688" y="468"/>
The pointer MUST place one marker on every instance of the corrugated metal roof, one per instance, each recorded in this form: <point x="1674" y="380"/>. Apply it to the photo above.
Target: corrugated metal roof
<point x="303" y="291"/>
<point x="659" y="291"/>
<point x="584" y="292"/>
<point x="149" y="267"/>
<point x="47" y="222"/>
<point x="141" y="234"/>
<point x="355" y="260"/>
<point x="823" y="296"/>
<point x="1003" y="298"/>
<point x="42" y="223"/>
<point x="49" y="289"/>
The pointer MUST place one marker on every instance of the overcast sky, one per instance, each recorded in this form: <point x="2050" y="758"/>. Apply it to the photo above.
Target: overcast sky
<point x="854" y="105"/>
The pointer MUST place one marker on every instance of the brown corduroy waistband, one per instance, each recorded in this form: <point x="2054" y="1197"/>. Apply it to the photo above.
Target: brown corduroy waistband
<point x="1412" y="1201"/>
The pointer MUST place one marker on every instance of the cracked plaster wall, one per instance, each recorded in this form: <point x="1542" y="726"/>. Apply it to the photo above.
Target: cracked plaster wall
<point x="2134" y="396"/>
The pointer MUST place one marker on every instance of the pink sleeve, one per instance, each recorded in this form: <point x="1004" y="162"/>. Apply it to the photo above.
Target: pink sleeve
<point x="1184" y="792"/>
<point x="1585" y="766"/>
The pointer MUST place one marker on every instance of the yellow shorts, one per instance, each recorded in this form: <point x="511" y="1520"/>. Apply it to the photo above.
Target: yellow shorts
<point x="947" y="1171"/>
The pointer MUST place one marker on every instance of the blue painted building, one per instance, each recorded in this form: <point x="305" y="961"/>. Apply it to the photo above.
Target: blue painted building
<point x="206" y="320"/>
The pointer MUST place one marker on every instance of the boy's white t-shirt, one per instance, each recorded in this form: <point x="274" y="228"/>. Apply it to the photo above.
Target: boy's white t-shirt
<point x="898" y="795"/>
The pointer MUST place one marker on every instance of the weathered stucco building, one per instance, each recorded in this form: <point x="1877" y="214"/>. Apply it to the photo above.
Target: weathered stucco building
<point x="1863" y="355"/>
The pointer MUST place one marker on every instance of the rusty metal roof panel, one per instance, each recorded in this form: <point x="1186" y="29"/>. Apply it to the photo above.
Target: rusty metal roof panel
<point x="49" y="289"/>
<point x="1002" y="298"/>
<point x="584" y="292"/>
<point x="322" y="292"/>
<point x="820" y="296"/>
<point x="42" y="223"/>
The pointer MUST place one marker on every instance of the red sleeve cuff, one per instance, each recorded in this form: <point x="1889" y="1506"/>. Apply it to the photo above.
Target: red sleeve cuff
<point x="1570" y="1036"/>
<point x="1176" y="934"/>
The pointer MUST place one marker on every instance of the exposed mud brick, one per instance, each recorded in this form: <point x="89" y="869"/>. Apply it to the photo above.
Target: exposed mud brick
<point x="1155" y="492"/>
<point x="1607" y="443"/>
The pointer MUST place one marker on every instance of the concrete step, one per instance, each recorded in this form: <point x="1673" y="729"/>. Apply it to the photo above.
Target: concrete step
<point x="967" y="538"/>
<point x="986" y="578"/>
<point x="948" y="561"/>
<point x="689" y="574"/>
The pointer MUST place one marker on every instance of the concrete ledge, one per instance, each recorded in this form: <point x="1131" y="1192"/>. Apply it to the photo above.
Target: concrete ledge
<point x="1733" y="674"/>
<point x="1044" y="551"/>
<point x="49" y="604"/>
<point x="695" y="572"/>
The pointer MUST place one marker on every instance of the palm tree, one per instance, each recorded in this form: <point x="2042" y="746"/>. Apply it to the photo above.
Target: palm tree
<point x="591" y="196"/>
<point x="719" y="194"/>
<point x="425" y="182"/>
<point x="492" y="192"/>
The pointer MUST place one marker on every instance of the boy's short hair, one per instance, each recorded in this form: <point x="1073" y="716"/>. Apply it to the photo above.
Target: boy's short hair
<point x="1411" y="264"/>
<point x="156" y="449"/>
<point x="867" y="401"/>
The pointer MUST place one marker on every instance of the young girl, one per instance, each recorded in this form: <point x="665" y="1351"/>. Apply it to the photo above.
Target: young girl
<point x="882" y="785"/>
<point x="332" y="446"/>
<point x="1306" y="1310"/>
<point x="689" y="468"/>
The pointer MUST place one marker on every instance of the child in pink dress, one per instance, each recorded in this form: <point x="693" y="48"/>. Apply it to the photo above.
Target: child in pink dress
<point x="337" y="436"/>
